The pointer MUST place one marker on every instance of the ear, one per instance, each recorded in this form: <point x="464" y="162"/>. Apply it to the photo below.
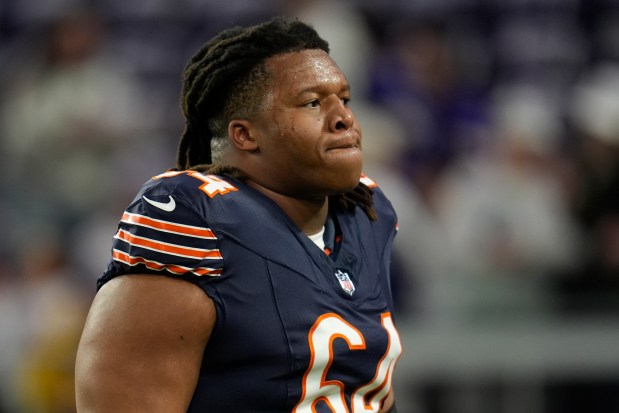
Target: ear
<point x="241" y="134"/>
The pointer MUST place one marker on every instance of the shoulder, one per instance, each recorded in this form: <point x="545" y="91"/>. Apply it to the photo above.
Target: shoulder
<point x="382" y="205"/>
<point x="172" y="226"/>
<point x="194" y="195"/>
<point x="179" y="198"/>
<point x="189" y="185"/>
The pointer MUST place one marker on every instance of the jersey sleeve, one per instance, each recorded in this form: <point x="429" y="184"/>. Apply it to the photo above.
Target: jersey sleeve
<point x="159" y="233"/>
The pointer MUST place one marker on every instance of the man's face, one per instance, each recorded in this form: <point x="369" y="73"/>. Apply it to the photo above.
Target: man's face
<point x="309" y="140"/>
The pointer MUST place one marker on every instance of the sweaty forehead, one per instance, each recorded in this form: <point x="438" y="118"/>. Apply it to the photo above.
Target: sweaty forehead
<point x="305" y="69"/>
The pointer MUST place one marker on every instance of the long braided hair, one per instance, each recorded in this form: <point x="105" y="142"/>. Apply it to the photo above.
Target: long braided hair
<point x="226" y="80"/>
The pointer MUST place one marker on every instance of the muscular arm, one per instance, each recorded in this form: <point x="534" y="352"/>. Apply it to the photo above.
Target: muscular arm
<point x="142" y="345"/>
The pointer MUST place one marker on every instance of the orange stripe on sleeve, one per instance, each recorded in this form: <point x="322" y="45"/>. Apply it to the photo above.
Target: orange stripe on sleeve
<point x="166" y="226"/>
<point x="154" y="265"/>
<point x="168" y="248"/>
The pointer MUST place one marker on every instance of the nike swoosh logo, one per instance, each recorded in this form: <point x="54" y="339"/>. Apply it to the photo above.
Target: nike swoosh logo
<point x="166" y="206"/>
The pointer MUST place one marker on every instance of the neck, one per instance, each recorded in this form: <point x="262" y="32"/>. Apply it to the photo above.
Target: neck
<point x="309" y="214"/>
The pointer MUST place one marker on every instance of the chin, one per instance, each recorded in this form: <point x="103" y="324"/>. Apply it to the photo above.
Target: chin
<point x="346" y="182"/>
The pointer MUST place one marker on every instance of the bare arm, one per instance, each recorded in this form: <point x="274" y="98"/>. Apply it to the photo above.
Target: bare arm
<point x="142" y="345"/>
<point x="388" y="404"/>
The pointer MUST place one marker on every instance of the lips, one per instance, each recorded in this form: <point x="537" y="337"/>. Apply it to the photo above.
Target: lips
<point x="344" y="143"/>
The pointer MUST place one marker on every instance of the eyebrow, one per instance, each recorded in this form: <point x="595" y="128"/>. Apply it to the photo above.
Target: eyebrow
<point x="319" y="89"/>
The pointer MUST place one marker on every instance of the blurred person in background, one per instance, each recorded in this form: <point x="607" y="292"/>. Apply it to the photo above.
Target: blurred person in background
<point x="70" y="117"/>
<point x="42" y="311"/>
<point x="420" y="254"/>
<point x="73" y="118"/>
<point x="506" y="210"/>
<point x="68" y="114"/>
<point x="419" y="78"/>
<point x="594" y="116"/>
<point x="342" y="24"/>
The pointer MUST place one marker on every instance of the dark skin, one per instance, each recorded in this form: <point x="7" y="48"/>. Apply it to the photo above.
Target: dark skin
<point x="144" y="338"/>
<point x="306" y="144"/>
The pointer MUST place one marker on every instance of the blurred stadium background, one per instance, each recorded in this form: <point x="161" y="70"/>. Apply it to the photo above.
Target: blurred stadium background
<point x="492" y="125"/>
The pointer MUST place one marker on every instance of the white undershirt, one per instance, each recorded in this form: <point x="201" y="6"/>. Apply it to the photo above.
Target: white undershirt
<point x="318" y="239"/>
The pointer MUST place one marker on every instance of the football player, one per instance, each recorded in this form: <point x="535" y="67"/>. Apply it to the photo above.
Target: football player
<point x="254" y="276"/>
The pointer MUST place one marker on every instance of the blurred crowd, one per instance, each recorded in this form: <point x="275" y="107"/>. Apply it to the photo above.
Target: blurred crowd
<point x="492" y="125"/>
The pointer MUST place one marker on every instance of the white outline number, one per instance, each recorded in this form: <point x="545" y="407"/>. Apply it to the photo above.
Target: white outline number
<point x="316" y="387"/>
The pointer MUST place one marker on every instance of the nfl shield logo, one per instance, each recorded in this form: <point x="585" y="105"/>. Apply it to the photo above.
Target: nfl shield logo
<point x="345" y="282"/>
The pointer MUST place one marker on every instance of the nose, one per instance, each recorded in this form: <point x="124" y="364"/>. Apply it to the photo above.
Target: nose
<point x="340" y="116"/>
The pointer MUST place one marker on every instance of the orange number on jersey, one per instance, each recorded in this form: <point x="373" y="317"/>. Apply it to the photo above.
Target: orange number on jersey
<point x="212" y="185"/>
<point x="316" y="388"/>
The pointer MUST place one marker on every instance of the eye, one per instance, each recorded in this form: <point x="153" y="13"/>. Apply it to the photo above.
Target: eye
<point x="312" y="104"/>
<point x="345" y="101"/>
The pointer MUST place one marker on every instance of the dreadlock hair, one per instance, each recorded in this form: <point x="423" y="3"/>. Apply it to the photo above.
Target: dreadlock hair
<point x="226" y="79"/>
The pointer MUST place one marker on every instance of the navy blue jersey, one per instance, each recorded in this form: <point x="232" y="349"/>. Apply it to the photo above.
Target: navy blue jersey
<point x="297" y="330"/>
